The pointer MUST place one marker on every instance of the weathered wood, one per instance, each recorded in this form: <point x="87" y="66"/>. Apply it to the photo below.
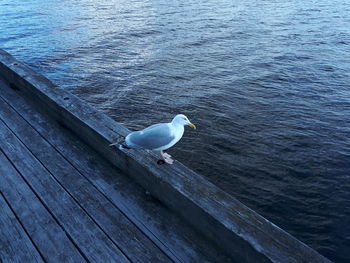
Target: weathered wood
<point x="174" y="237"/>
<point x="47" y="235"/>
<point x="110" y="219"/>
<point x="15" y="245"/>
<point x="91" y="240"/>
<point x="243" y="234"/>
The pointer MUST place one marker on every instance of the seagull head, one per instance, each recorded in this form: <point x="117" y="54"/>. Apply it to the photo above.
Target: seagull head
<point x="183" y="120"/>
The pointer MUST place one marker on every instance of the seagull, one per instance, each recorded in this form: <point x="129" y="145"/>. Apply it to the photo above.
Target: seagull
<point x="158" y="137"/>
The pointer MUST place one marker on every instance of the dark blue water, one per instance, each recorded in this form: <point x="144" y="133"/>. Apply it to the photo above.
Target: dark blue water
<point x="266" y="83"/>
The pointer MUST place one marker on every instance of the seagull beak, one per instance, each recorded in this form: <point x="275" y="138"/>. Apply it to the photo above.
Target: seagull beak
<point x="192" y="125"/>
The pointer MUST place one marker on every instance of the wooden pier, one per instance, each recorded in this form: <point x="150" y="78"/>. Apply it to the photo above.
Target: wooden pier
<point x="65" y="196"/>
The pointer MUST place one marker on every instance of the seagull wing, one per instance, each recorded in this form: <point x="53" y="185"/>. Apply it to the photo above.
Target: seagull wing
<point x="152" y="137"/>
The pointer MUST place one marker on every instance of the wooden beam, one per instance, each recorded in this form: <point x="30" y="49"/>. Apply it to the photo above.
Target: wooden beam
<point x="241" y="232"/>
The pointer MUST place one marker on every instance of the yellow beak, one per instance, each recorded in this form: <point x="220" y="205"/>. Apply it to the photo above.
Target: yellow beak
<point x="192" y="125"/>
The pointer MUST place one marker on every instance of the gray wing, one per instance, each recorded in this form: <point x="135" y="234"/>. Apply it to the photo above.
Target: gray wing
<point x="150" y="138"/>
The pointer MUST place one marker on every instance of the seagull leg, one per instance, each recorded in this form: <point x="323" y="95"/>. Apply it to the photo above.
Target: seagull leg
<point x="167" y="157"/>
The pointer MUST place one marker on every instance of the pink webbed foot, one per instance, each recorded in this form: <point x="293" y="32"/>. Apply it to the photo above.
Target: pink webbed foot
<point x="169" y="160"/>
<point x="166" y="158"/>
<point x="165" y="155"/>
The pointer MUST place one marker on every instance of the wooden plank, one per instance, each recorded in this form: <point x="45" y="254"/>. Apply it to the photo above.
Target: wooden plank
<point x="82" y="230"/>
<point x="175" y="238"/>
<point x="111" y="220"/>
<point x="47" y="235"/>
<point x="15" y="245"/>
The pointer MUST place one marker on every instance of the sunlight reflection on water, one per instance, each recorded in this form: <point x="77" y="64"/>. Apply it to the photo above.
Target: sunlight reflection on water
<point x="266" y="83"/>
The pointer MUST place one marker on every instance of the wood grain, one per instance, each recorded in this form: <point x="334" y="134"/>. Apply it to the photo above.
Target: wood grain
<point x="15" y="244"/>
<point x="49" y="238"/>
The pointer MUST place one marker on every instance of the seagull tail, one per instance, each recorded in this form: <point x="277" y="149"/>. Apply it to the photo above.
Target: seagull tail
<point x="122" y="145"/>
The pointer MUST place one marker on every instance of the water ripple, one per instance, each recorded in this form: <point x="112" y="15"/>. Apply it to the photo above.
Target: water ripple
<point x="266" y="82"/>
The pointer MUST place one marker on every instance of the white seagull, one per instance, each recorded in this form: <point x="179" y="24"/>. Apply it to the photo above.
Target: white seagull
<point x="158" y="137"/>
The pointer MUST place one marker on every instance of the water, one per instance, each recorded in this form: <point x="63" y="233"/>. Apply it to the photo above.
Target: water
<point x="266" y="83"/>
